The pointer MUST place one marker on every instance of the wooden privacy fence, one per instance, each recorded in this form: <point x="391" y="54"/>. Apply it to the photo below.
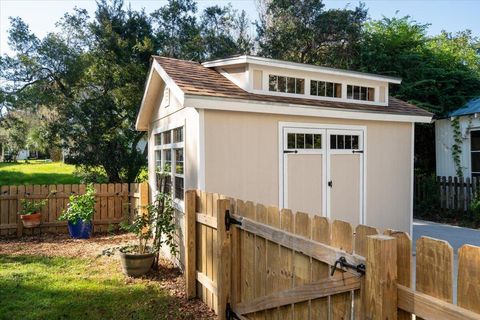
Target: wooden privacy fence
<point x="248" y="261"/>
<point x="448" y="193"/>
<point x="113" y="202"/>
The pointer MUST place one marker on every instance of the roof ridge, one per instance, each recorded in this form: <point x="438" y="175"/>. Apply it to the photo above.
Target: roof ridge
<point x="177" y="59"/>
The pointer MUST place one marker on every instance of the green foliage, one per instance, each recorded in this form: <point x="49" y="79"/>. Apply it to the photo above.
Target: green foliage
<point x="303" y="31"/>
<point x="142" y="175"/>
<point x="475" y="210"/>
<point x="80" y="207"/>
<point x="427" y="207"/>
<point x="90" y="174"/>
<point x="32" y="206"/>
<point x="457" y="146"/>
<point x="154" y="226"/>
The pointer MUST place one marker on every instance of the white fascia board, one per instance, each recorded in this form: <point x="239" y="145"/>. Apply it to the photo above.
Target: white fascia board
<point x="298" y="66"/>
<point x="227" y="104"/>
<point x="177" y="92"/>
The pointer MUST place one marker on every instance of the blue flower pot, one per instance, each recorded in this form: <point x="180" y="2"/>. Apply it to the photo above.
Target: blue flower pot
<point x="80" y="229"/>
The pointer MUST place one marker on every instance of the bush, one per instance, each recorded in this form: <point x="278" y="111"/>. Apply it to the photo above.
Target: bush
<point x="88" y="175"/>
<point x="142" y="175"/>
<point x="80" y="207"/>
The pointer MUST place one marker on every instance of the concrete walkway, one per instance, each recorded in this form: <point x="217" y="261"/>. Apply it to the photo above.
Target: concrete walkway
<point x="456" y="236"/>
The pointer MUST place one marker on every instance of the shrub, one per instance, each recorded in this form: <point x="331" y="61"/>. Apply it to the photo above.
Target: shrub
<point x="80" y="207"/>
<point x="89" y="175"/>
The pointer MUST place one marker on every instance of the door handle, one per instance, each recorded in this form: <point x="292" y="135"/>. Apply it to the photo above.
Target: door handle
<point x="330" y="183"/>
<point x="357" y="151"/>
<point x="290" y="151"/>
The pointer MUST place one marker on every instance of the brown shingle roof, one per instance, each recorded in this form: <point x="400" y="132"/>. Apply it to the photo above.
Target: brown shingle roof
<point x="195" y="79"/>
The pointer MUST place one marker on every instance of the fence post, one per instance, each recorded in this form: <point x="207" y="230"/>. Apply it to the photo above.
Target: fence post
<point x="381" y="278"/>
<point x="190" y="244"/>
<point x="224" y="259"/>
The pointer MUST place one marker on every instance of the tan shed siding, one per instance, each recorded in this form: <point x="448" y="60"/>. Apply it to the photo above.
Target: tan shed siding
<point x="242" y="159"/>
<point x="257" y="80"/>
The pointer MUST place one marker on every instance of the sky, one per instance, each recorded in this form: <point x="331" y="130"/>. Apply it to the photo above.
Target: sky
<point x="452" y="16"/>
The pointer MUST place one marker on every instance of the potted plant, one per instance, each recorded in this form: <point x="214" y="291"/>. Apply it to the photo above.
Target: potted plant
<point x="31" y="212"/>
<point x="153" y="226"/>
<point x="79" y="214"/>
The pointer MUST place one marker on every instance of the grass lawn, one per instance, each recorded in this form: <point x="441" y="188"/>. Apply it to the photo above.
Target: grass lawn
<point x="66" y="279"/>
<point x="37" y="172"/>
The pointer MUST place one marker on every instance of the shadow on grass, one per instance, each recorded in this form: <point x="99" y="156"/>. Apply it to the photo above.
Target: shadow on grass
<point x="64" y="288"/>
<point x="18" y="178"/>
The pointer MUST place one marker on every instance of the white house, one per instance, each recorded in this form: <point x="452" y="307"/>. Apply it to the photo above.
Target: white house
<point x="319" y="140"/>
<point x="463" y="124"/>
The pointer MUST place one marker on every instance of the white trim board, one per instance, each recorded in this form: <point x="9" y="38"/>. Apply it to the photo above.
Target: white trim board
<point x="229" y="104"/>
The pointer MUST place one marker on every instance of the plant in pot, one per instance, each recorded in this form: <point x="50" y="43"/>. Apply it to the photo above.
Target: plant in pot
<point x="31" y="212"/>
<point x="154" y="227"/>
<point x="79" y="214"/>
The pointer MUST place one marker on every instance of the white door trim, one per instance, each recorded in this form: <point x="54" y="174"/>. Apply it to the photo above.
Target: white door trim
<point x="325" y="148"/>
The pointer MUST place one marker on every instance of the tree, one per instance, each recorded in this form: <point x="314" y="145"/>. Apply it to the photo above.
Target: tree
<point x="302" y="31"/>
<point x="92" y="73"/>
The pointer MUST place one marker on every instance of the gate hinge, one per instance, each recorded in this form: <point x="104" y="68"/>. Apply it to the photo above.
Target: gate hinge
<point x="229" y="314"/>
<point x="360" y="268"/>
<point x="229" y="220"/>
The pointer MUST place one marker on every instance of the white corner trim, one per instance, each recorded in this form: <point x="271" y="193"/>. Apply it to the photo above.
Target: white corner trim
<point x="142" y="104"/>
<point x="229" y="104"/>
<point x="201" y="150"/>
<point x="177" y="92"/>
<point x="412" y="176"/>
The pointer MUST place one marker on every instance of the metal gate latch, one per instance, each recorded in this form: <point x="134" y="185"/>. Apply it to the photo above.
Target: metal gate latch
<point x="230" y="315"/>
<point x="360" y="268"/>
<point x="229" y="220"/>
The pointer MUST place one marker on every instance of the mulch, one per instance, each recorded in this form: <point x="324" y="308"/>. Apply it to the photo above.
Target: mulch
<point x="168" y="276"/>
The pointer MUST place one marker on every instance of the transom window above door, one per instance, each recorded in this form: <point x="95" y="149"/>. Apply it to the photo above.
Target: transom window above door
<point x="304" y="141"/>
<point x="343" y="142"/>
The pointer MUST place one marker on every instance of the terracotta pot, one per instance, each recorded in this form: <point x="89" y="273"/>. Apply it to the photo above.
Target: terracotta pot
<point x="136" y="265"/>
<point x="31" y="220"/>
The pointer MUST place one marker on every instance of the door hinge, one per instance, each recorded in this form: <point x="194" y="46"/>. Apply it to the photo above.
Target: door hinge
<point x="342" y="261"/>
<point x="229" y="220"/>
<point x="290" y="151"/>
<point x="229" y="314"/>
<point x="357" y="151"/>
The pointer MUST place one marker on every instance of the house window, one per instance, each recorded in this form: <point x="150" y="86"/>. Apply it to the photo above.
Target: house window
<point x="325" y="89"/>
<point x="158" y="139"/>
<point x="360" y="93"/>
<point x="343" y="142"/>
<point x="286" y="84"/>
<point x="475" y="152"/>
<point x="304" y="141"/>
<point x="169" y="159"/>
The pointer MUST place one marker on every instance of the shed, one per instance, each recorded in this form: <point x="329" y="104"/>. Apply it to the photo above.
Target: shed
<point x="463" y="125"/>
<point x="319" y="140"/>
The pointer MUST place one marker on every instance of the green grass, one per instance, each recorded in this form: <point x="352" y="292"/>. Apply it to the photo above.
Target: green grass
<point x="37" y="172"/>
<point x="35" y="287"/>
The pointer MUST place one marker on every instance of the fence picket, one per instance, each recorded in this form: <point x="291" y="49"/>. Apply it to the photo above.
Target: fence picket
<point x="260" y="259"/>
<point x="302" y="270"/>
<point x="286" y="257"/>
<point x="342" y="237"/>
<point x="273" y="261"/>
<point x="434" y="268"/>
<point x="468" y="288"/>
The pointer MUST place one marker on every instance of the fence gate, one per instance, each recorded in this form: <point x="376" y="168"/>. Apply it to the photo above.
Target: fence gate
<point x="248" y="261"/>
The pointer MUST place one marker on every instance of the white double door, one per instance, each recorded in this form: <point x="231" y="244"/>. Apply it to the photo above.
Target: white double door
<point x="323" y="171"/>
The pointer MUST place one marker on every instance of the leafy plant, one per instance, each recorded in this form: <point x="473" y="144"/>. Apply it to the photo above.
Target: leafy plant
<point x="31" y="206"/>
<point x="475" y="209"/>
<point x="457" y="146"/>
<point x="80" y="207"/>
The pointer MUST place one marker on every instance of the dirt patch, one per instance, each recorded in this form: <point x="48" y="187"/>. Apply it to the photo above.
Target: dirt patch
<point x="167" y="277"/>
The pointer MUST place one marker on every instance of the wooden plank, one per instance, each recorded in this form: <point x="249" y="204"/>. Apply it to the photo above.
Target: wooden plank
<point x="28" y="193"/>
<point x="117" y="200"/>
<point x="381" y="278"/>
<point x="273" y="260"/>
<point x="468" y="289"/>
<point x="224" y="256"/>
<point x="236" y="260"/>
<point x="190" y="245"/>
<point x="434" y="268"/>
<point x="207" y="202"/>
<point x="104" y="206"/>
<point x="4" y="190"/>
<point x="342" y="237"/>
<point x="323" y="288"/>
<point x="428" y="307"/>
<point x="199" y="245"/>
<point x="404" y="264"/>
<point x="213" y="203"/>
<point x="322" y="252"/>
<point x="20" y="190"/>
<point x="260" y="260"/>
<point x="321" y="232"/>
<point x="286" y="260"/>
<point x="302" y="263"/>
<point x="125" y="201"/>
<point x="206" y="282"/>
<point x="52" y="206"/>
<point x="361" y="234"/>
<point x="206" y="220"/>
<point x="248" y="256"/>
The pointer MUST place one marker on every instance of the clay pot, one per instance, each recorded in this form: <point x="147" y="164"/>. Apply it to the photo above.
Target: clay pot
<point x="31" y="220"/>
